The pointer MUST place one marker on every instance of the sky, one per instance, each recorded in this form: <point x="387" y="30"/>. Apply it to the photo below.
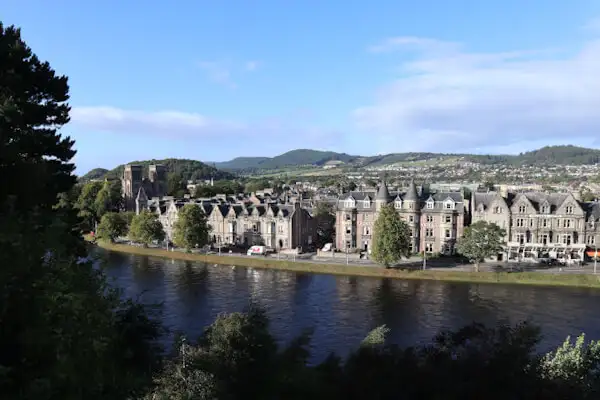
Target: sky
<point x="214" y="80"/>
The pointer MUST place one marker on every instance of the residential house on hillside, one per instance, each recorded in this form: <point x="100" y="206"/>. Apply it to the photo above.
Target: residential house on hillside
<point x="436" y="220"/>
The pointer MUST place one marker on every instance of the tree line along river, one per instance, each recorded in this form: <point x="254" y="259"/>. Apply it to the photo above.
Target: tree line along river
<point x="342" y="310"/>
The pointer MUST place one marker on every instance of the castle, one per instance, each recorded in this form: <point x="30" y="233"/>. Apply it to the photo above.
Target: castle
<point x="134" y="183"/>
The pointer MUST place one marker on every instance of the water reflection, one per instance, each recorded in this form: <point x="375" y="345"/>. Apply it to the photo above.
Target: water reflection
<point x="342" y="310"/>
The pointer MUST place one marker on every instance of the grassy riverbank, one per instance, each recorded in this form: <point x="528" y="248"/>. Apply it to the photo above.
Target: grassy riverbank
<point x="526" y="278"/>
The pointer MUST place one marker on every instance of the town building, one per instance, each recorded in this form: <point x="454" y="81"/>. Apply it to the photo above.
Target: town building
<point x="241" y="220"/>
<point x="540" y="225"/>
<point x="133" y="179"/>
<point x="436" y="219"/>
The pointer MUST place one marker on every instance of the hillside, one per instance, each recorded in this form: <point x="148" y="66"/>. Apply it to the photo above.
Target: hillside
<point x="189" y="169"/>
<point x="290" y="159"/>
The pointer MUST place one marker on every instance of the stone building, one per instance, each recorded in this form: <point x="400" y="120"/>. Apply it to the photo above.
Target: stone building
<point x="241" y="222"/>
<point x="540" y="225"/>
<point x="133" y="181"/>
<point x="435" y="219"/>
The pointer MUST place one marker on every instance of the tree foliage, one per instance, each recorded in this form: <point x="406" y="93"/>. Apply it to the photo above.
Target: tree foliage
<point x="145" y="228"/>
<point x="481" y="240"/>
<point x="391" y="237"/>
<point x="65" y="334"/>
<point x="237" y="358"/>
<point x="325" y="223"/>
<point x="191" y="228"/>
<point x="176" y="185"/>
<point x="111" y="226"/>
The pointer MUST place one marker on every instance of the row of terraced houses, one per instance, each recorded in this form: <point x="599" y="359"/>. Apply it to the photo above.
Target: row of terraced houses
<point x="537" y="224"/>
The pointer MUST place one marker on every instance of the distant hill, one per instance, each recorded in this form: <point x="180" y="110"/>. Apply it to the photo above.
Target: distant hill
<point x="190" y="170"/>
<point x="290" y="159"/>
<point x="96" y="173"/>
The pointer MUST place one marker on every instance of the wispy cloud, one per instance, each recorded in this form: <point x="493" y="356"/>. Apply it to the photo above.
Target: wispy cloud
<point x="448" y="98"/>
<point x="218" y="73"/>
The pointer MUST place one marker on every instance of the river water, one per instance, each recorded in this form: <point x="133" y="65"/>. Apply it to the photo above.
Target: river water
<point x="342" y="310"/>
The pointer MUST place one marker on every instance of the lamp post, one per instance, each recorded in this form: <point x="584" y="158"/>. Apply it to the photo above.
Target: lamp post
<point x="595" y="258"/>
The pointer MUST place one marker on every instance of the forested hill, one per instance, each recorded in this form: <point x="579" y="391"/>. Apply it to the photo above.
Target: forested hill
<point x="290" y="159"/>
<point x="549" y="155"/>
<point x="188" y="169"/>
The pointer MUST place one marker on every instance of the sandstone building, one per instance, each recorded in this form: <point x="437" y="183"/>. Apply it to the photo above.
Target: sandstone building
<point x="240" y="220"/>
<point x="540" y="225"/>
<point x="436" y="220"/>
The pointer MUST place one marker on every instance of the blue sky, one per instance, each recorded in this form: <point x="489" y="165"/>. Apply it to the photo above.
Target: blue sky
<point x="213" y="80"/>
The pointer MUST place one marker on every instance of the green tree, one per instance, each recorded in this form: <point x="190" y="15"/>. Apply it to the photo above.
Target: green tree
<point x="256" y="185"/>
<point x="111" y="226"/>
<point x="391" y="237"/>
<point x="86" y="204"/>
<point x="108" y="199"/>
<point x="191" y="228"/>
<point x="481" y="240"/>
<point x="325" y="222"/>
<point x="146" y="228"/>
<point x="65" y="334"/>
<point x="176" y="185"/>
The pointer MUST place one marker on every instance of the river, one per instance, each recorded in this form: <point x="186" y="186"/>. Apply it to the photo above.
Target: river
<point x="342" y="310"/>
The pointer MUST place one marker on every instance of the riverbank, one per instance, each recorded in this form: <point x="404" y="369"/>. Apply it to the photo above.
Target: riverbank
<point x="523" y="278"/>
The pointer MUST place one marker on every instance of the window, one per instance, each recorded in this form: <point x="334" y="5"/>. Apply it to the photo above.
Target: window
<point x="254" y="228"/>
<point x="398" y="204"/>
<point x="447" y="234"/>
<point x="545" y="223"/>
<point x="569" y="209"/>
<point x="591" y="240"/>
<point x="411" y="206"/>
<point x="411" y="218"/>
<point x="520" y="222"/>
<point x="366" y="230"/>
<point x="545" y="239"/>
<point x="566" y="239"/>
<point x="449" y="205"/>
<point x="429" y="247"/>
<point x="366" y="203"/>
<point x="521" y="238"/>
<point x="348" y="217"/>
<point x="448" y="219"/>
<point x="566" y="223"/>
<point x="430" y="204"/>
<point x="280" y="228"/>
<point x="349" y="203"/>
<point x="430" y="218"/>
<point x="497" y="210"/>
<point x="522" y="208"/>
<point x="531" y="223"/>
<point x="348" y="230"/>
<point x="428" y="232"/>
<point x="545" y="209"/>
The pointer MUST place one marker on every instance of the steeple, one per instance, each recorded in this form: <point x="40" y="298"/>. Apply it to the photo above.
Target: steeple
<point x="411" y="193"/>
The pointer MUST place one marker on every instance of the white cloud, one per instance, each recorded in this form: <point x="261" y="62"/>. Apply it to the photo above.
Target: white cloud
<point x="173" y="124"/>
<point x="218" y="73"/>
<point x="447" y="98"/>
<point x="282" y="132"/>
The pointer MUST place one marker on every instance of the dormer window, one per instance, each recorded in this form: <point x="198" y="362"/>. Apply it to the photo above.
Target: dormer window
<point x="522" y="208"/>
<point x="449" y="205"/>
<point x="366" y="203"/>
<point x="430" y="204"/>
<point x="398" y="204"/>
<point x="569" y="209"/>
<point x="545" y="209"/>
<point x="349" y="203"/>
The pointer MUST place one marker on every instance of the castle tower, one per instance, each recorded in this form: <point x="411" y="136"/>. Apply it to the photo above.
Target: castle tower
<point x="157" y="174"/>
<point x="131" y="182"/>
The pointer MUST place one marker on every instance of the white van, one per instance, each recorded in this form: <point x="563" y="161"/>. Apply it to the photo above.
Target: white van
<point x="257" y="251"/>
